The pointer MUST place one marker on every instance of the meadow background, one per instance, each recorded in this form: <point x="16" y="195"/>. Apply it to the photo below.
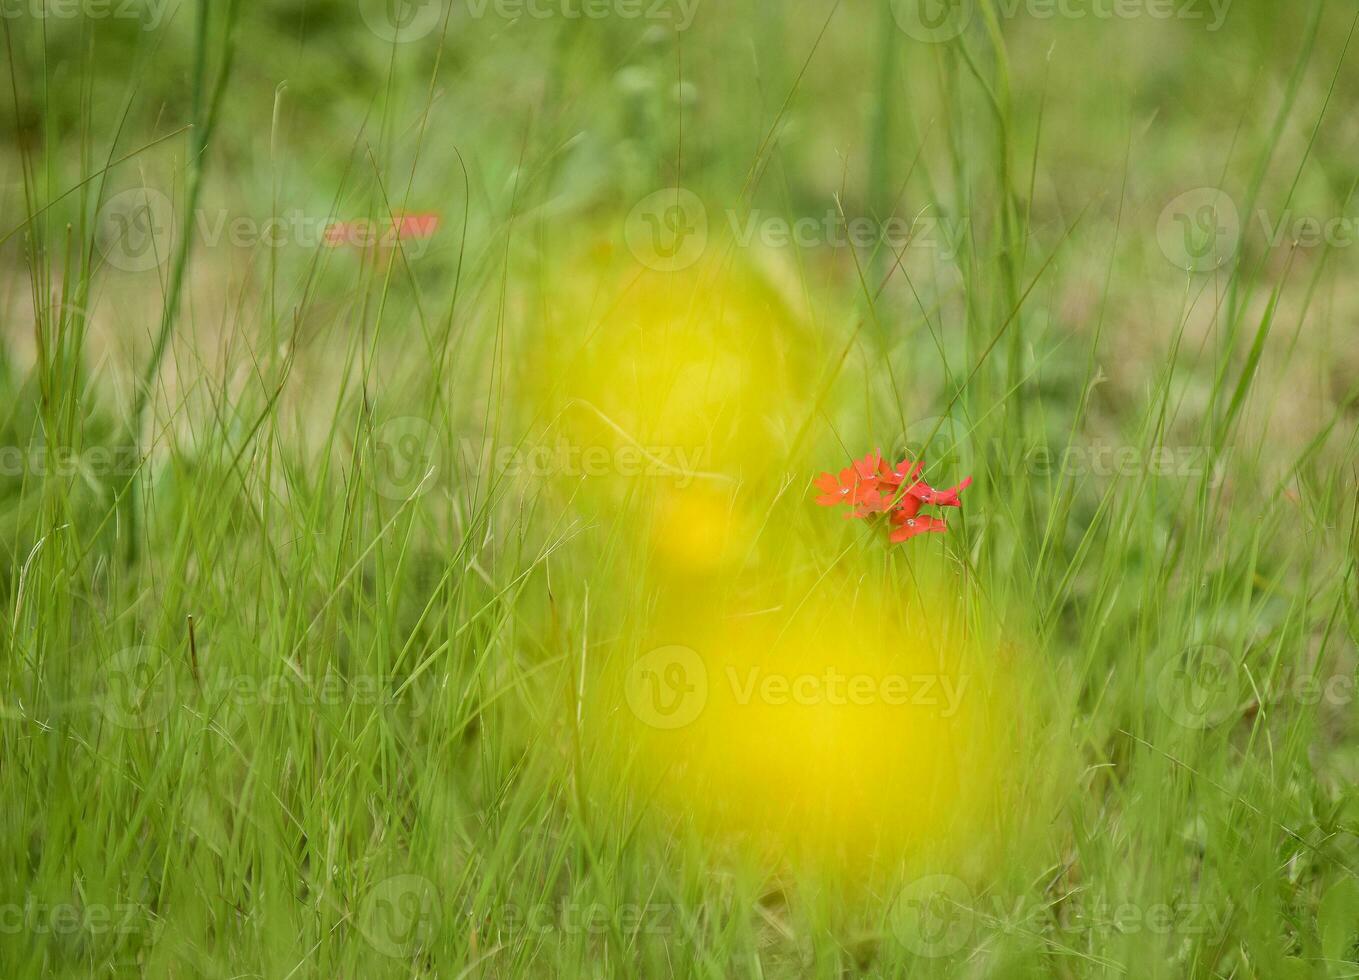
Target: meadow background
<point x="328" y="570"/>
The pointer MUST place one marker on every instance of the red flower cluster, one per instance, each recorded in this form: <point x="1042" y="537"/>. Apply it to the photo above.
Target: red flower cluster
<point x="870" y="486"/>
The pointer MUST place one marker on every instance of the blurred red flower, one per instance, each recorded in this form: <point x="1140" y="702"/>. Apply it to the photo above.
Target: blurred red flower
<point x="871" y="486"/>
<point x="856" y="485"/>
<point x="365" y="234"/>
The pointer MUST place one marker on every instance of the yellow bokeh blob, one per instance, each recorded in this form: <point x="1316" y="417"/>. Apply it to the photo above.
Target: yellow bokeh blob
<point x="842" y="733"/>
<point x="701" y="366"/>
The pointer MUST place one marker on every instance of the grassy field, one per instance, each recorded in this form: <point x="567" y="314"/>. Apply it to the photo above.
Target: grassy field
<point x="410" y="560"/>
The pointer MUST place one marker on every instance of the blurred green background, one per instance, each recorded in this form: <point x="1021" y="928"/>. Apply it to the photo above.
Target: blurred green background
<point x="1037" y="242"/>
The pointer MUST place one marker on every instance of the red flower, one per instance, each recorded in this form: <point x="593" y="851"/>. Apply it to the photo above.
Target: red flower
<point x="847" y="488"/>
<point x="895" y="476"/>
<point x="856" y="485"/>
<point x="907" y="526"/>
<point x="420" y="225"/>
<point x="939" y="498"/>
<point x="870" y="486"/>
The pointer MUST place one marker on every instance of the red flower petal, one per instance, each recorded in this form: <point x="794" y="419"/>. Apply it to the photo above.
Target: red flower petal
<point x="867" y="468"/>
<point x="826" y="483"/>
<point x="871" y="502"/>
<point x="911" y="526"/>
<point x="907" y="506"/>
<point x="939" y="498"/>
<point x="849" y="487"/>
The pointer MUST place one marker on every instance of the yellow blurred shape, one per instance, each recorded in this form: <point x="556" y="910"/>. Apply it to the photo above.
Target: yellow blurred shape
<point x="696" y="363"/>
<point x="697" y="529"/>
<point x="851" y="733"/>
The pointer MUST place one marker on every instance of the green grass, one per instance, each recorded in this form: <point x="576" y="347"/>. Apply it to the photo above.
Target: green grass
<point x="310" y="670"/>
